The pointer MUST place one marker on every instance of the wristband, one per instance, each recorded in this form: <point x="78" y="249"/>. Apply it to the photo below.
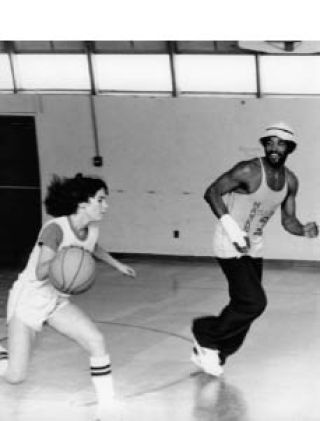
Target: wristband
<point x="234" y="232"/>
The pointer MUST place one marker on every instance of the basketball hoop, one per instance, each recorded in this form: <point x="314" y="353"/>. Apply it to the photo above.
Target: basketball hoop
<point x="286" y="46"/>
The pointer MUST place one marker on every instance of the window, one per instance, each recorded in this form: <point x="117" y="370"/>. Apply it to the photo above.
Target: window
<point x="216" y="73"/>
<point x="145" y="74"/>
<point x="132" y="72"/>
<point x="290" y="74"/>
<point x="6" y="82"/>
<point x="52" y="72"/>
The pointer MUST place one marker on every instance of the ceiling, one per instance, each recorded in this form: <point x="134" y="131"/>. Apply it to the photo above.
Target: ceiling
<point x="160" y="47"/>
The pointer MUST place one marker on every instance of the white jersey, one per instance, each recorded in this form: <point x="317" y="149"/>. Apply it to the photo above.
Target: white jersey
<point x="69" y="238"/>
<point x="34" y="301"/>
<point x="251" y="212"/>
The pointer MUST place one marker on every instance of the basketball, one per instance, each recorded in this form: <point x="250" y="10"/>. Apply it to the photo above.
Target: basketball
<point x="72" y="270"/>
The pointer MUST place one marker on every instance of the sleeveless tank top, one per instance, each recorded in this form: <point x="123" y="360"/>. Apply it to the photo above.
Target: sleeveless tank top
<point x="69" y="238"/>
<point x="251" y="212"/>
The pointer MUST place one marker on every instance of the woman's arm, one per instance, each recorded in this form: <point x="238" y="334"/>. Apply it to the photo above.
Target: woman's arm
<point x="49" y="241"/>
<point x="106" y="257"/>
<point x="45" y="258"/>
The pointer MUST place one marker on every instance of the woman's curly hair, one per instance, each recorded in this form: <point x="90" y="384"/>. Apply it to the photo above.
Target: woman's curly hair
<point x="65" y="194"/>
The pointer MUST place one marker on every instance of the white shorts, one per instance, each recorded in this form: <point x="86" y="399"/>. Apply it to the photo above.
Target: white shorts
<point x="33" y="302"/>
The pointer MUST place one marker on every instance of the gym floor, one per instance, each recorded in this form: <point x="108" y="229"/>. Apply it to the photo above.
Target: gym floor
<point x="146" y="320"/>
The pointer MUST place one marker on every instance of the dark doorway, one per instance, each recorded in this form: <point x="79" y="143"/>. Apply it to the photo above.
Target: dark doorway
<point x="20" y="194"/>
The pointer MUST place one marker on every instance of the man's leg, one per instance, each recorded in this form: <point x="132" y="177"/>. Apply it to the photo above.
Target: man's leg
<point x="232" y="344"/>
<point x="227" y="331"/>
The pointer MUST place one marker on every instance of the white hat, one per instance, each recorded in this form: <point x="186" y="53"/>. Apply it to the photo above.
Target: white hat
<point x="282" y="131"/>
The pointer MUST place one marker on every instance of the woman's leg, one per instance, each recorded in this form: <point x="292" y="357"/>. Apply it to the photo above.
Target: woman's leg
<point x="20" y="339"/>
<point x="75" y="324"/>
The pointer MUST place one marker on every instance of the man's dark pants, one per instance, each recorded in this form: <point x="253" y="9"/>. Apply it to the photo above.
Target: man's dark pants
<point x="227" y="331"/>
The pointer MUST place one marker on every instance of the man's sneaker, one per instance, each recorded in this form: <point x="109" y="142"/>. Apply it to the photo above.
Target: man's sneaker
<point x="195" y="357"/>
<point x="206" y="359"/>
<point x="196" y="353"/>
<point x="211" y="362"/>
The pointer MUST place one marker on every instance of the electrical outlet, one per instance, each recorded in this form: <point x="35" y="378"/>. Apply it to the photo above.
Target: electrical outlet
<point x="176" y="234"/>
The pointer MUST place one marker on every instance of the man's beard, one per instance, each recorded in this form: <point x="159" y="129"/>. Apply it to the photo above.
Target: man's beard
<point x="276" y="163"/>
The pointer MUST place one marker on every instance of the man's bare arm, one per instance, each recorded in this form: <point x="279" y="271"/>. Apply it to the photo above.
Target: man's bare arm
<point x="289" y="220"/>
<point x="236" y="179"/>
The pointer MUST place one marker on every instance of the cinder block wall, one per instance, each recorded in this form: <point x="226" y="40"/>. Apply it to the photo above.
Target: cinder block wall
<point x="160" y="154"/>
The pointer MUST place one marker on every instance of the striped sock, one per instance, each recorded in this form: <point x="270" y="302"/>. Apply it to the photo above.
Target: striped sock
<point x="3" y="360"/>
<point x="102" y="379"/>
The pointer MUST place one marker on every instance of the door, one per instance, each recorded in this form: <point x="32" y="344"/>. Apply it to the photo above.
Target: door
<point x="20" y="194"/>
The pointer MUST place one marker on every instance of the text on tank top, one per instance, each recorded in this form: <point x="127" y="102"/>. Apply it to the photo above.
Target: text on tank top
<point x="253" y="211"/>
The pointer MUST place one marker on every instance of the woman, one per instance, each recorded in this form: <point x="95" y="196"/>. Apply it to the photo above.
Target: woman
<point x="78" y="205"/>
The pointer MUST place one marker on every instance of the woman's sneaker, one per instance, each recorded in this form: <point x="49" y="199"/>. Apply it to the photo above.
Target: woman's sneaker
<point x="3" y="360"/>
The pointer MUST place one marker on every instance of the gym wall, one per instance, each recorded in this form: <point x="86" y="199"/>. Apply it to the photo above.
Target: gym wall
<point x="160" y="154"/>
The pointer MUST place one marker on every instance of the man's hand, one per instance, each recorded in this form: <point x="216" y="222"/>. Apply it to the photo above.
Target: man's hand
<point x="310" y="230"/>
<point x="238" y="237"/>
<point x="243" y="249"/>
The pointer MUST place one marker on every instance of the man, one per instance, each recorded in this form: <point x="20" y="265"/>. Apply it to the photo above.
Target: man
<point x="244" y="199"/>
